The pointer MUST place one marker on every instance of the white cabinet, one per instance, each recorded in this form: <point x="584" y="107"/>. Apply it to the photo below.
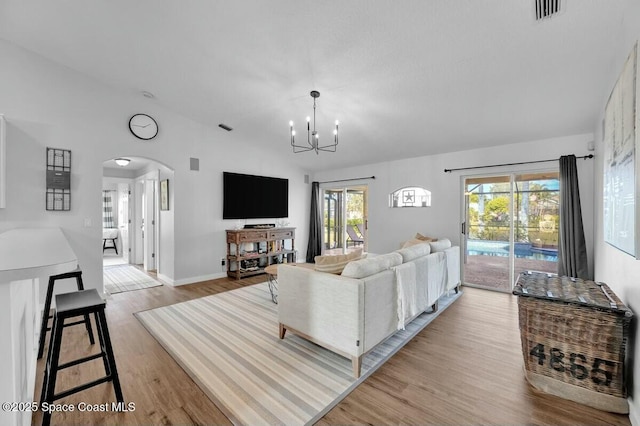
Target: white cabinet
<point x="26" y="255"/>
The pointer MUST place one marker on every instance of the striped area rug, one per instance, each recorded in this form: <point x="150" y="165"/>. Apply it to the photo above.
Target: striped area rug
<point x="228" y="343"/>
<point x="121" y="278"/>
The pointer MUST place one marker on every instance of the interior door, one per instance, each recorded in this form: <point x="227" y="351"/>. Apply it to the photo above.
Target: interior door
<point x="148" y="220"/>
<point x="124" y="222"/>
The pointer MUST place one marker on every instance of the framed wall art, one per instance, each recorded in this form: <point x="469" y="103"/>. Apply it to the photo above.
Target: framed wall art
<point x="620" y="163"/>
<point x="164" y="194"/>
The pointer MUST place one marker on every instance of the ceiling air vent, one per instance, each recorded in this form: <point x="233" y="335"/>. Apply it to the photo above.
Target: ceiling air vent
<point x="546" y="8"/>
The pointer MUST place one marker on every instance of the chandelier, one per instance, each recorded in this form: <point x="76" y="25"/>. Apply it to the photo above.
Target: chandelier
<point x="313" y="139"/>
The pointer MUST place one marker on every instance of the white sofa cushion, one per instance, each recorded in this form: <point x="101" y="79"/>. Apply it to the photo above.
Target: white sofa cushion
<point x="440" y="245"/>
<point x="414" y="251"/>
<point x="365" y="267"/>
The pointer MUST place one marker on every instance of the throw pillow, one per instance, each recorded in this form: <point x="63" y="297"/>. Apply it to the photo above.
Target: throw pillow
<point x="334" y="264"/>
<point x="413" y="242"/>
<point x="440" y="245"/>
<point x="419" y="236"/>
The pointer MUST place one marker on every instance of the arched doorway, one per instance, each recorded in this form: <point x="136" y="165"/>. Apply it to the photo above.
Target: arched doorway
<point x="132" y="214"/>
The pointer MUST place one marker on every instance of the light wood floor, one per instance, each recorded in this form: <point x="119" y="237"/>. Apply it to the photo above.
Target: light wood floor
<point x="464" y="368"/>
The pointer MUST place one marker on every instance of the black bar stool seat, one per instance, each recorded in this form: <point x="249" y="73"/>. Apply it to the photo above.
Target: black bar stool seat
<point x="69" y="305"/>
<point x="44" y="327"/>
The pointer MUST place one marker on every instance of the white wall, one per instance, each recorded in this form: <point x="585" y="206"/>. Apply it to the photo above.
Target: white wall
<point x="614" y="267"/>
<point x="48" y="105"/>
<point x="389" y="227"/>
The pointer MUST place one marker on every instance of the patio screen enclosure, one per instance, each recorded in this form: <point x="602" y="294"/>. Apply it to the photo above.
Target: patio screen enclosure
<point x="344" y="219"/>
<point x="510" y="226"/>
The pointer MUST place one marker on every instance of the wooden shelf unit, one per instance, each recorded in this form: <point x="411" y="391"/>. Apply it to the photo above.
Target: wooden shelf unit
<point x="266" y="247"/>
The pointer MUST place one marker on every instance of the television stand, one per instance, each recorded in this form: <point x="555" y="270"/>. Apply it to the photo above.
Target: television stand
<point x="250" y="251"/>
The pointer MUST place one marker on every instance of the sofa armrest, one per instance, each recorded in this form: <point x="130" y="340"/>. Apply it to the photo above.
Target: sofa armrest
<point x="327" y="308"/>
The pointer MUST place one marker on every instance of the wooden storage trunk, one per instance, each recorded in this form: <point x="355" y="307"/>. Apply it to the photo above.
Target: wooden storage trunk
<point x="574" y="334"/>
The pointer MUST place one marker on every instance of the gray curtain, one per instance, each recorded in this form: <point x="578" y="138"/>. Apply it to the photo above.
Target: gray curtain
<point x="107" y="210"/>
<point x="572" y="249"/>
<point x="314" y="248"/>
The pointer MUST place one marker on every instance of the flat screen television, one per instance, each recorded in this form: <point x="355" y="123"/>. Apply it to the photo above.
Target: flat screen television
<point x="254" y="197"/>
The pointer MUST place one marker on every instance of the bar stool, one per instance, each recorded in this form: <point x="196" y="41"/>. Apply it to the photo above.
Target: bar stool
<point x="69" y="305"/>
<point x="112" y="246"/>
<point x="77" y="274"/>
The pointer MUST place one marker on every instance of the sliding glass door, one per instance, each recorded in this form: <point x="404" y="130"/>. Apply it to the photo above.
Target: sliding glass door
<point x="344" y="218"/>
<point x="510" y="226"/>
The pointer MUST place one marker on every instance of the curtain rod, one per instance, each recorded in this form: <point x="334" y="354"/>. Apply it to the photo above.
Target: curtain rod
<point x="511" y="164"/>
<point x="346" y="180"/>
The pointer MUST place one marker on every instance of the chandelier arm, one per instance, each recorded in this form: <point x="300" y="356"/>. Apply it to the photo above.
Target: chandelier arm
<point x="298" y="148"/>
<point x="333" y="145"/>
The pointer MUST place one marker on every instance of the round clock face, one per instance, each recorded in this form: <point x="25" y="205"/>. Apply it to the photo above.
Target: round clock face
<point x="143" y="126"/>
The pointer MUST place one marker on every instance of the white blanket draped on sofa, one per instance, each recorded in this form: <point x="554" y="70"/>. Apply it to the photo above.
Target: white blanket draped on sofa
<point x="406" y="285"/>
<point x="419" y="285"/>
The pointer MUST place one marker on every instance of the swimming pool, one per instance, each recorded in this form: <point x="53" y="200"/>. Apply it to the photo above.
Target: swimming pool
<point x="501" y="248"/>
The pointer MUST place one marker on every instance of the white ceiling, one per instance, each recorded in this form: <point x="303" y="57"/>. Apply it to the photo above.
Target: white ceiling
<point x="136" y="164"/>
<point x="405" y="78"/>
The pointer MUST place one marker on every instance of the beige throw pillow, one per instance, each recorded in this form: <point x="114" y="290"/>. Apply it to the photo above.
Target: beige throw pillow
<point x="419" y="236"/>
<point x="334" y="264"/>
<point x="413" y="242"/>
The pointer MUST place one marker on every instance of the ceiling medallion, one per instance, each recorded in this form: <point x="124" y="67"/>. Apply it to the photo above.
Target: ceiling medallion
<point x="313" y="138"/>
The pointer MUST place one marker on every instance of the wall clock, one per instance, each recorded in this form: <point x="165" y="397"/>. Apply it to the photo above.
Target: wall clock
<point x="143" y="126"/>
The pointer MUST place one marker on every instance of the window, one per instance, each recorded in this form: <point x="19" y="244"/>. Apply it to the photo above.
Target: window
<point x="410" y="196"/>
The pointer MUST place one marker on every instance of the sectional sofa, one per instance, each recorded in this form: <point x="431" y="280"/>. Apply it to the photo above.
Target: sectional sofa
<point x="352" y="312"/>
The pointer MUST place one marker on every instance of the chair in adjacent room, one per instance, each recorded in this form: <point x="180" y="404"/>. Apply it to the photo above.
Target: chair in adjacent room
<point x="109" y="235"/>
<point x="354" y="238"/>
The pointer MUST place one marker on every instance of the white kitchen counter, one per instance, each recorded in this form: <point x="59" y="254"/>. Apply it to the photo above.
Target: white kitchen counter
<point x="26" y="254"/>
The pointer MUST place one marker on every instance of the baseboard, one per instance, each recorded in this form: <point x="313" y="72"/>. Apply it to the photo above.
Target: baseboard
<point x="190" y="280"/>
